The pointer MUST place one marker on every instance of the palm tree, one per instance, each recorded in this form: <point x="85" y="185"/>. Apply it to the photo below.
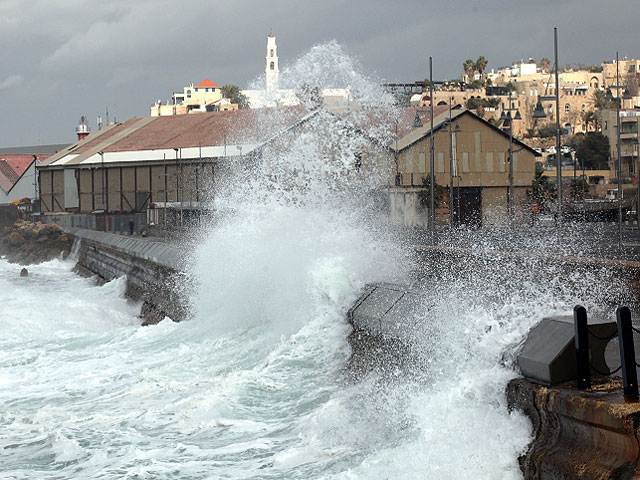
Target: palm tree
<point x="544" y="64"/>
<point x="469" y="67"/>
<point x="481" y="64"/>
<point x="589" y="118"/>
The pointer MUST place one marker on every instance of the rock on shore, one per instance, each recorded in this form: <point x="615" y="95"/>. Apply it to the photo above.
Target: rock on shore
<point x="27" y="242"/>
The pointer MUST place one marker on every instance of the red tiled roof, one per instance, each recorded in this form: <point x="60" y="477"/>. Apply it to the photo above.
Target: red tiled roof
<point x="13" y="166"/>
<point x="207" y="83"/>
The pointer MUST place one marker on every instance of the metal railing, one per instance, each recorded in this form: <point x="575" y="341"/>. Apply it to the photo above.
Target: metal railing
<point x="628" y="364"/>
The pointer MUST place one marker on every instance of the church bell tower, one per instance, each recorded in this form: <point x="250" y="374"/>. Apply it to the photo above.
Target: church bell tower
<point x="271" y="69"/>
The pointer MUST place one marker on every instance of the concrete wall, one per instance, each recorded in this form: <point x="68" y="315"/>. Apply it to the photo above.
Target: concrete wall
<point x="153" y="270"/>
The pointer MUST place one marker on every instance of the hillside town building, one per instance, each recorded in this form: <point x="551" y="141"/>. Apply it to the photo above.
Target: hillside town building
<point x="203" y="97"/>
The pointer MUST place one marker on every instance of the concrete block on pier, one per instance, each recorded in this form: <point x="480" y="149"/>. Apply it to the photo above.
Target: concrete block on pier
<point x="548" y="356"/>
<point x="388" y="310"/>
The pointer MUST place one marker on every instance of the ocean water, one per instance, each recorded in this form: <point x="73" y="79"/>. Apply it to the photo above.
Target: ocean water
<point x="253" y="385"/>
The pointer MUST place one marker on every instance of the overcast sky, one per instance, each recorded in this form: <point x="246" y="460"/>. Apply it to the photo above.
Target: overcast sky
<point x="60" y="59"/>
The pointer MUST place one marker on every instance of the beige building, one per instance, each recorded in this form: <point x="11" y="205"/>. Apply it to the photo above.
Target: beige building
<point x="629" y="141"/>
<point x="477" y="157"/>
<point x="204" y="97"/>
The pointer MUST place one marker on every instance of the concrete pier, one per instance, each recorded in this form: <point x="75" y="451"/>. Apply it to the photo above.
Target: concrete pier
<point x="153" y="270"/>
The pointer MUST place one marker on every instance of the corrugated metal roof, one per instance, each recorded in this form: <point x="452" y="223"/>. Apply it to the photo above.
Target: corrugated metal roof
<point x="194" y="134"/>
<point x="35" y="149"/>
<point x="79" y="144"/>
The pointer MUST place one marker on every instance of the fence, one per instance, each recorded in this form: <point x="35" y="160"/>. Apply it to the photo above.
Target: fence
<point x="115" y="223"/>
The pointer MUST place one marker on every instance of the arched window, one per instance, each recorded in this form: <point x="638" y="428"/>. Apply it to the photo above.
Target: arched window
<point x="583" y="107"/>
<point x="272" y="52"/>
<point x="272" y="66"/>
<point x="567" y="107"/>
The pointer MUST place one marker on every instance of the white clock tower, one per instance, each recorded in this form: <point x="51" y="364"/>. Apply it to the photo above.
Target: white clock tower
<point x="271" y="69"/>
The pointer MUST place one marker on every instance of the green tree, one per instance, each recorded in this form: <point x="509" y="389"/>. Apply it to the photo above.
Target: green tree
<point x="425" y="195"/>
<point x="542" y="189"/>
<point x="578" y="188"/>
<point x="232" y="92"/>
<point x="593" y="151"/>
<point x="549" y="130"/>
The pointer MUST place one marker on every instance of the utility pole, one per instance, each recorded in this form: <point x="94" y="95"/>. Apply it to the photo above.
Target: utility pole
<point x="432" y="208"/>
<point x="451" y="209"/>
<point x="619" y="157"/>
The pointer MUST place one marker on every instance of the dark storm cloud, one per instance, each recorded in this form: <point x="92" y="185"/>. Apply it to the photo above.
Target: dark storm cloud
<point x="65" y="58"/>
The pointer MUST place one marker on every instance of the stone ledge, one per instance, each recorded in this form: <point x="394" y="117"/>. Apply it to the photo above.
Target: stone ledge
<point x="590" y="434"/>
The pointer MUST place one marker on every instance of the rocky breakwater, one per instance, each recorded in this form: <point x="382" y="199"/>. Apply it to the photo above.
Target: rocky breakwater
<point x="28" y="242"/>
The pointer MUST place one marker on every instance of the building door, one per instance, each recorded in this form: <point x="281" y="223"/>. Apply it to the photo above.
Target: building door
<point x="469" y="206"/>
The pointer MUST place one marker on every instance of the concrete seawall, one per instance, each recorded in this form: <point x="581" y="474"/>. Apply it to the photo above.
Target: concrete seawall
<point x="153" y="270"/>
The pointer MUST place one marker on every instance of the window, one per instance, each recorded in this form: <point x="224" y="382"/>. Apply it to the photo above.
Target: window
<point x="272" y="52"/>
<point x="440" y="162"/>
<point x="465" y="162"/>
<point x="550" y="108"/>
<point x="489" y="162"/>
<point x="188" y="93"/>
<point x="272" y="66"/>
<point x="422" y="162"/>
<point x="583" y="107"/>
<point x="502" y="167"/>
<point x="567" y="108"/>
<point x="196" y="89"/>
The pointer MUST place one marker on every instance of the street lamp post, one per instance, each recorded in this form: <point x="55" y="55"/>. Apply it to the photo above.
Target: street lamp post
<point x="103" y="180"/>
<point x="638" y="172"/>
<point x="558" y="162"/>
<point x="35" y="185"/>
<point x="509" y="119"/>
<point x="619" y="156"/>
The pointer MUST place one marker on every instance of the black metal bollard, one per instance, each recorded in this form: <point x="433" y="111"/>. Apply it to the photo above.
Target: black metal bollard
<point x="583" y="368"/>
<point x="627" y="353"/>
